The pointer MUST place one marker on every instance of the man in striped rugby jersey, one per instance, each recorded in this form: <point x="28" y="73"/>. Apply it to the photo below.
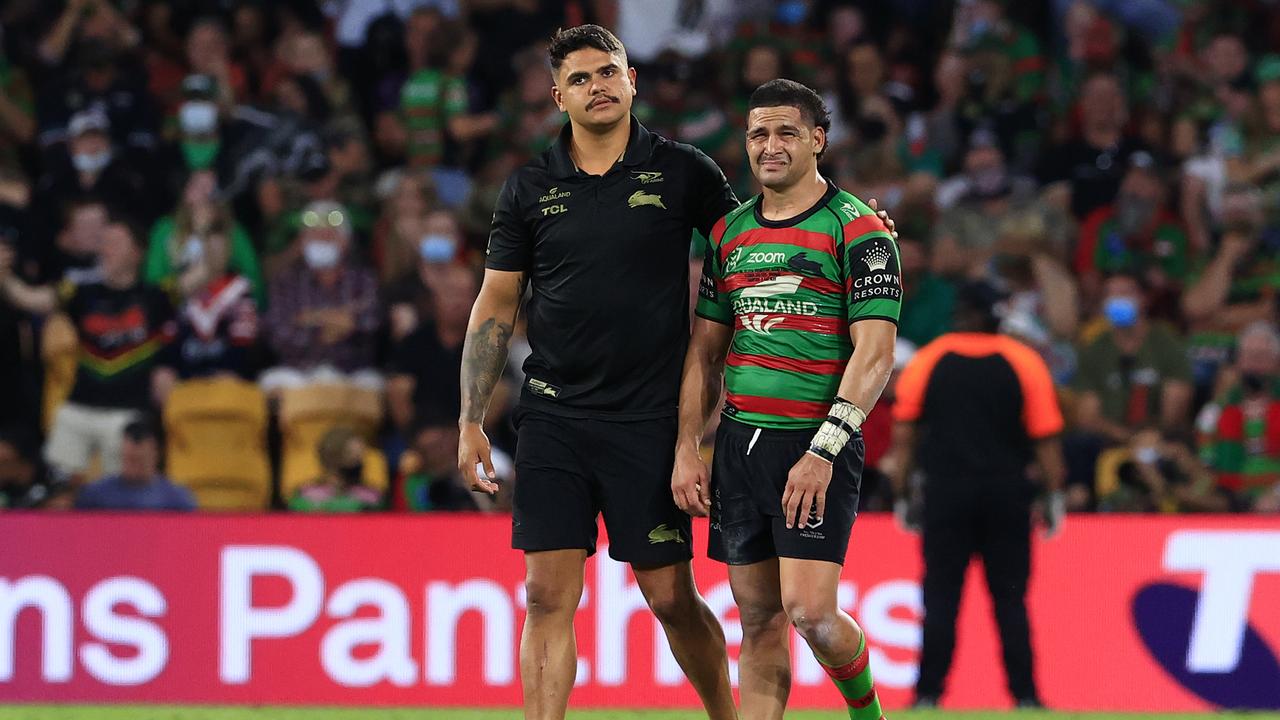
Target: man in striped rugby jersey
<point x="797" y="311"/>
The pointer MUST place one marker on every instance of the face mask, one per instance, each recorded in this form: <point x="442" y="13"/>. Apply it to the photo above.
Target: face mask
<point x="352" y="475"/>
<point x="791" y="12"/>
<point x="200" y="154"/>
<point x="91" y="162"/>
<point x="989" y="182"/>
<point x="1133" y="213"/>
<point x="198" y="117"/>
<point x="193" y="251"/>
<point x="1254" y="383"/>
<point x="320" y="254"/>
<point x="1121" y="312"/>
<point x="437" y="249"/>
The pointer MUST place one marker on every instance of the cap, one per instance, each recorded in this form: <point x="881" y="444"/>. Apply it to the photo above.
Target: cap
<point x="198" y="86"/>
<point x="1268" y="69"/>
<point x="88" y="121"/>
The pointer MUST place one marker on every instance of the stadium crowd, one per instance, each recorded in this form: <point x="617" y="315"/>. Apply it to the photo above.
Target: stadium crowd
<point x="240" y="239"/>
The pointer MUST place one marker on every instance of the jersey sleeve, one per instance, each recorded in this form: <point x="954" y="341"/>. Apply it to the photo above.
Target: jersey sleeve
<point x="713" y="301"/>
<point x="872" y="270"/>
<point x="1041" y="414"/>
<point x="510" y="238"/>
<point x="913" y="381"/>
<point x="713" y="197"/>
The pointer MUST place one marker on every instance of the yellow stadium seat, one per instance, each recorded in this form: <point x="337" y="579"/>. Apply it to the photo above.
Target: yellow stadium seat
<point x="297" y="468"/>
<point x="217" y="443"/>
<point x="59" y="345"/>
<point x="307" y="413"/>
<point x="1107" y="471"/>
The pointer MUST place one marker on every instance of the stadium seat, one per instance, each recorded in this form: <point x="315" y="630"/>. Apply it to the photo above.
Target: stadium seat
<point x="217" y="443"/>
<point x="297" y="468"/>
<point x="1107" y="472"/>
<point x="58" y="348"/>
<point x="307" y="413"/>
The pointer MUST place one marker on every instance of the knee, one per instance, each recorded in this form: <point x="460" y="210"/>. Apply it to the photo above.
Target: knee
<point x="814" y="621"/>
<point x="673" y="607"/>
<point x="548" y="599"/>
<point x="761" y="618"/>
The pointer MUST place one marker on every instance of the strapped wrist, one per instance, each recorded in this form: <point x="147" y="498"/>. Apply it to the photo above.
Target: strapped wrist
<point x="843" y="420"/>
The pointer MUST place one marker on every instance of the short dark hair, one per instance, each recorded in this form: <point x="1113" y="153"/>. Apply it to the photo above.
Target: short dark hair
<point x="568" y="40"/>
<point x="789" y="93"/>
<point x="119" y="216"/>
<point x="142" y="429"/>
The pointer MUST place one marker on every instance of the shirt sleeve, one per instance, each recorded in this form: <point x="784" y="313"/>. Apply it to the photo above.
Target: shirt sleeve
<point x="510" y="238"/>
<point x="455" y="98"/>
<point x="714" y="197"/>
<point x="1041" y="414"/>
<point x="913" y="381"/>
<point x="713" y="300"/>
<point x="872" y="270"/>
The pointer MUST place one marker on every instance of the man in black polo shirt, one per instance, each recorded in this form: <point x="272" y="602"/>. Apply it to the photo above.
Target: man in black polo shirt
<point x="600" y="226"/>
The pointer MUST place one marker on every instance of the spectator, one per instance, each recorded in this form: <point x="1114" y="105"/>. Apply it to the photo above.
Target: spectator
<point x="23" y="484"/>
<point x="982" y="25"/>
<point x="90" y="166"/>
<point x="529" y="120"/>
<point x="138" y="484"/>
<point x="989" y="194"/>
<point x="1137" y="233"/>
<point x="1252" y="148"/>
<point x="209" y="53"/>
<point x="429" y="477"/>
<point x="425" y="366"/>
<point x="1085" y="173"/>
<point x="1159" y="475"/>
<point x="179" y="242"/>
<point x="323" y="311"/>
<point x="124" y="330"/>
<point x="434" y="104"/>
<point x="438" y="247"/>
<point x="73" y="255"/>
<point x="396" y="233"/>
<point x="1243" y="424"/>
<point x="340" y="488"/>
<point x="17" y="115"/>
<point x="218" y="319"/>
<point x="928" y="300"/>
<point x="1136" y="373"/>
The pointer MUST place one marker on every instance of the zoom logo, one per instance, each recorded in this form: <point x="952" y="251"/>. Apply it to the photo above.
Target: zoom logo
<point x="1202" y="637"/>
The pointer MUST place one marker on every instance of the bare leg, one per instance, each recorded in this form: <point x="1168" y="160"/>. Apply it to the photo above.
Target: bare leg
<point x="696" y="638"/>
<point x="764" y="663"/>
<point x="548" y="648"/>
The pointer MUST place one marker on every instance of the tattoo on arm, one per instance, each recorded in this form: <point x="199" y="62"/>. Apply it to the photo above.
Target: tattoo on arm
<point x="484" y="356"/>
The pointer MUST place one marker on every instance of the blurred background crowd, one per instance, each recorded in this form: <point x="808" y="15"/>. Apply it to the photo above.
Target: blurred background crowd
<point x="240" y="239"/>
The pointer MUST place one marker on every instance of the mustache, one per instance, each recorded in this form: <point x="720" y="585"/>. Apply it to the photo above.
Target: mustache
<point x="602" y="98"/>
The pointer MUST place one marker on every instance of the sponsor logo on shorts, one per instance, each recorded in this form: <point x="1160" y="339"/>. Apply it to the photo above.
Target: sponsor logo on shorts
<point x="662" y="534"/>
<point x="810" y="527"/>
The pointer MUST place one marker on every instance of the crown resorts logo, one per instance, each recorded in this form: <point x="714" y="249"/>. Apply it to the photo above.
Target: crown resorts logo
<point x="877" y="259"/>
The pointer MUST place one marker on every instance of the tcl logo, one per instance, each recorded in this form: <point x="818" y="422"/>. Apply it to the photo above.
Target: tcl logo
<point x="1203" y="637"/>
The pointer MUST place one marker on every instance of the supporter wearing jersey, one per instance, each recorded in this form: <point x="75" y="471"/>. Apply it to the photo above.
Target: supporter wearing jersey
<point x="797" y="311"/>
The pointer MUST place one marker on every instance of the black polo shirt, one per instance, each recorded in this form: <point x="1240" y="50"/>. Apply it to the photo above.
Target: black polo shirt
<point x="607" y="257"/>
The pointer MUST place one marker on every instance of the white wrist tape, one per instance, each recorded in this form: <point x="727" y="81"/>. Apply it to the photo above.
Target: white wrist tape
<point x="843" y="420"/>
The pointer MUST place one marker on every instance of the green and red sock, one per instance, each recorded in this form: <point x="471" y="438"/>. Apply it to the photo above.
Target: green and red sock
<point x="854" y="682"/>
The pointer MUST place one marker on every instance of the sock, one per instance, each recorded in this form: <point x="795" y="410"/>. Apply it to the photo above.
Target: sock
<point x="854" y="682"/>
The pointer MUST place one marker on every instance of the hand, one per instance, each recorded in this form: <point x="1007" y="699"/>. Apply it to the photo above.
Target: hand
<point x="690" y="483"/>
<point x="884" y="218"/>
<point x="806" y="490"/>
<point x="1235" y="246"/>
<point x="907" y="516"/>
<point x="1055" y="513"/>
<point x="473" y="449"/>
<point x="335" y="325"/>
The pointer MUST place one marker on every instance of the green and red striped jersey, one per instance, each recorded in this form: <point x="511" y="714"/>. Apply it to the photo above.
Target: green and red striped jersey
<point x="790" y="289"/>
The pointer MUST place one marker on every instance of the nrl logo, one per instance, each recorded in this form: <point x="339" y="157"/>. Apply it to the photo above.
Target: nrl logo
<point x="876" y="259"/>
<point x="641" y="197"/>
<point x="647" y="177"/>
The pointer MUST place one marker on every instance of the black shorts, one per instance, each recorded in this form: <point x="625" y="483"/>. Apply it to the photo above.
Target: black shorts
<point x="569" y="470"/>
<point x="748" y="476"/>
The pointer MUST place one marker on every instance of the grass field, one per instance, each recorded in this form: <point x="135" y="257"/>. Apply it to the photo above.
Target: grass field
<point x="171" y="712"/>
